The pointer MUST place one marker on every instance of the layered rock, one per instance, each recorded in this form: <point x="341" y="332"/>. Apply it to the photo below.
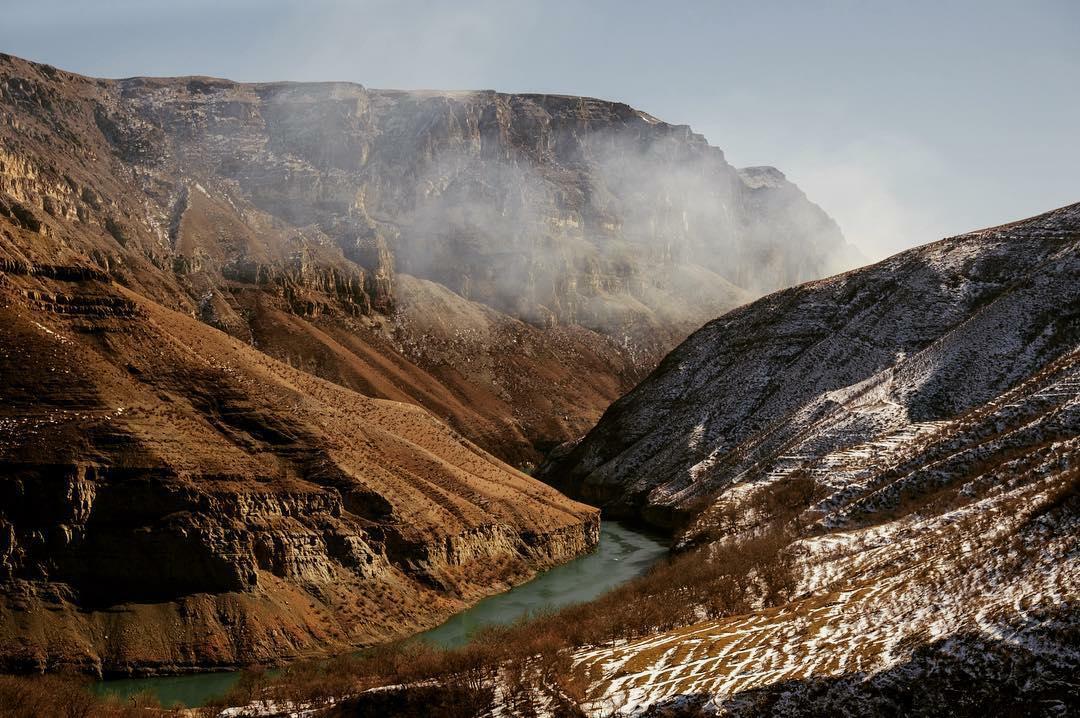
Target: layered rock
<point x="172" y="499"/>
<point x="588" y="226"/>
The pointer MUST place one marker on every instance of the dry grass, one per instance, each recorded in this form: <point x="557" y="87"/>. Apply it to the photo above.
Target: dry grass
<point x="67" y="697"/>
<point x="708" y="582"/>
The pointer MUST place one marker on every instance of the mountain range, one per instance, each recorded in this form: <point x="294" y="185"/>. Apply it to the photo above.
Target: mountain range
<point x="293" y="368"/>
<point x="260" y="338"/>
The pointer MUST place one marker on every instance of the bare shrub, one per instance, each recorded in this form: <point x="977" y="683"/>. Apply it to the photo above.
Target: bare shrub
<point x="68" y="697"/>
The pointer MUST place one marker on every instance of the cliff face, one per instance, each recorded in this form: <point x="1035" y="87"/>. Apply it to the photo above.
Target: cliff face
<point x="171" y="498"/>
<point x="554" y="209"/>
<point x="596" y="233"/>
<point x="906" y="437"/>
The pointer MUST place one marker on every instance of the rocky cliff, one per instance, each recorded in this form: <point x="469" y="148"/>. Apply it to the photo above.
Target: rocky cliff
<point x="904" y="438"/>
<point x="172" y="499"/>
<point x="295" y="216"/>
<point x="243" y="325"/>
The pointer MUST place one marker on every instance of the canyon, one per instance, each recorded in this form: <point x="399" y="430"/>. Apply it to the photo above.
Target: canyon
<point x="272" y="352"/>
<point x="873" y="489"/>
<point x="291" y="369"/>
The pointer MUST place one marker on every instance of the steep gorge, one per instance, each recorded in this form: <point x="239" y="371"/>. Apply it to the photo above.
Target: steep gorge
<point x="305" y="217"/>
<point x="259" y="338"/>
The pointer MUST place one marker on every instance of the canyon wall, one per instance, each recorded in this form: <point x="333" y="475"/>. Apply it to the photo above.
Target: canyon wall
<point x="330" y="224"/>
<point x="173" y="499"/>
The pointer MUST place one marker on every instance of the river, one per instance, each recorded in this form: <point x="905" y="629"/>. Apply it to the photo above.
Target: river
<point x="622" y="554"/>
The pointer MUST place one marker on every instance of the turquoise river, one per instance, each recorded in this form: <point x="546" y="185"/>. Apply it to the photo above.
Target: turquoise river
<point x="622" y="554"/>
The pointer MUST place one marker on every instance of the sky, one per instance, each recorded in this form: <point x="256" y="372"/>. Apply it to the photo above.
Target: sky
<point x="906" y="121"/>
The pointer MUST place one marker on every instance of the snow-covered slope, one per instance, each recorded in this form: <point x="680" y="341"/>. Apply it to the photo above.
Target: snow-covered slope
<point x="960" y="562"/>
<point x="919" y="421"/>
<point x="806" y="378"/>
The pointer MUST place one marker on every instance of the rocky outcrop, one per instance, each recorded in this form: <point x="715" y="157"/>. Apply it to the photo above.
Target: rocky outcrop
<point x="605" y="232"/>
<point x="896" y="448"/>
<point x="172" y="499"/>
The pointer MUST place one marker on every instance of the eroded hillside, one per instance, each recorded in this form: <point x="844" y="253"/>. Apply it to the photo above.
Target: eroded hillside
<point x="577" y="238"/>
<point x="903" y="439"/>
<point x="175" y="499"/>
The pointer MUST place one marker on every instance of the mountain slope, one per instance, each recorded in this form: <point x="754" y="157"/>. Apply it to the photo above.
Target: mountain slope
<point x="906" y="436"/>
<point x="595" y="232"/>
<point x="877" y="354"/>
<point x="175" y="499"/>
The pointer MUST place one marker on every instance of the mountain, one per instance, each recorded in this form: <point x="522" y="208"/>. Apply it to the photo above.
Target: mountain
<point x="258" y="338"/>
<point x="906" y="436"/>
<point x="397" y="243"/>
<point x="172" y="498"/>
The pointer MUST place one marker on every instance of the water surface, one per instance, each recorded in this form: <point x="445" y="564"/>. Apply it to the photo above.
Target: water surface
<point x="622" y="554"/>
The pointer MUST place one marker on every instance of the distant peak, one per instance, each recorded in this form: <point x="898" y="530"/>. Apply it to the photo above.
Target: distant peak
<point x="756" y="177"/>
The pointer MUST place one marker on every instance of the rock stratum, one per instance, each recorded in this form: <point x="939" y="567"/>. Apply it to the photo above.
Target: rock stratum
<point x="172" y="498"/>
<point x="511" y="262"/>
<point x="909" y="433"/>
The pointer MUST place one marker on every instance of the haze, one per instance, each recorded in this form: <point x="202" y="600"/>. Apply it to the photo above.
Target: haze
<point x="906" y="122"/>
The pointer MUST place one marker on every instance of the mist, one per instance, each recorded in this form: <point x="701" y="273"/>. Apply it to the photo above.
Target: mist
<point x="623" y="223"/>
<point x="924" y="136"/>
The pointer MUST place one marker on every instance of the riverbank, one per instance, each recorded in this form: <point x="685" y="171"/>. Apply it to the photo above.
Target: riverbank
<point x="623" y="553"/>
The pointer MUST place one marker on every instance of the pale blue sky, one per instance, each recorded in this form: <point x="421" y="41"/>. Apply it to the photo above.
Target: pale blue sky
<point x="906" y="121"/>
